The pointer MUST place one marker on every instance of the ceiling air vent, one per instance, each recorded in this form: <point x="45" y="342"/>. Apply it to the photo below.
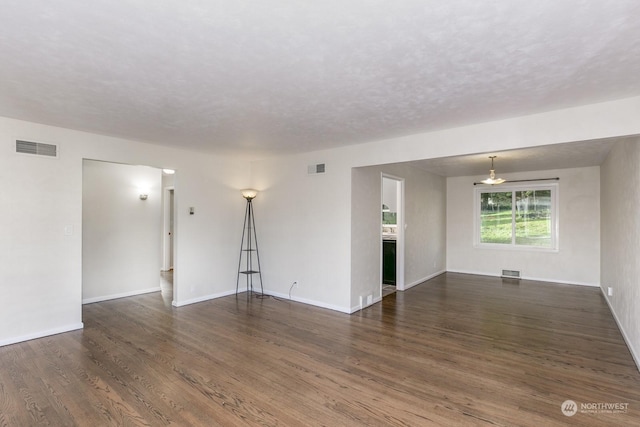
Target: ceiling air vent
<point x="314" y="169"/>
<point x="36" y="148"/>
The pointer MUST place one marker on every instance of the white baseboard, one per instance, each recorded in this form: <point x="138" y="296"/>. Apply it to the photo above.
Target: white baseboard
<point x="563" y="282"/>
<point x="266" y="292"/>
<point x="424" y="279"/>
<point x="536" y="279"/>
<point x="406" y="286"/>
<point x="202" y="298"/>
<point x="42" y="334"/>
<point x="361" y="307"/>
<point x="627" y="341"/>
<point x="308" y="301"/>
<point x="122" y="295"/>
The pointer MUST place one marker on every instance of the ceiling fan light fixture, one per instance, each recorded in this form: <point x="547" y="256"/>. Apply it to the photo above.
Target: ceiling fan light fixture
<point x="492" y="180"/>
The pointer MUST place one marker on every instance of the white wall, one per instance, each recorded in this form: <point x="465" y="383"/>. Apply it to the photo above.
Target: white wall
<point x="577" y="260"/>
<point x="302" y="224"/>
<point x="620" y="185"/>
<point x="366" y="245"/>
<point x="168" y="180"/>
<point x="41" y="266"/>
<point x="424" y="221"/>
<point x="120" y="232"/>
<point x="40" y="248"/>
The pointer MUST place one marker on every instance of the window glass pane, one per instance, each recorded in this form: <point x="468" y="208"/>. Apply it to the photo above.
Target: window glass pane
<point x="533" y="218"/>
<point x="389" y="218"/>
<point x="495" y="217"/>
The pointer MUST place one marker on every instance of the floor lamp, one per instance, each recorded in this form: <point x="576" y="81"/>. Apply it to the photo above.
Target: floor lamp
<point x="249" y="246"/>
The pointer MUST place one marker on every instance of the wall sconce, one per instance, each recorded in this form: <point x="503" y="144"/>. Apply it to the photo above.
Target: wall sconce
<point x="143" y="190"/>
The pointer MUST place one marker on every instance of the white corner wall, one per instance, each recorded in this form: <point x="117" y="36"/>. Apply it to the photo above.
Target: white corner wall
<point x="41" y="224"/>
<point x="121" y="233"/>
<point x="578" y="258"/>
<point x="424" y="220"/>
<point x="620" y="207"/>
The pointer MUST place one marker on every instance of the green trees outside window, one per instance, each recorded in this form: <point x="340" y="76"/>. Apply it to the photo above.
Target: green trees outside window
<point x="389" y="217"/>
<point x="517" y="217"/>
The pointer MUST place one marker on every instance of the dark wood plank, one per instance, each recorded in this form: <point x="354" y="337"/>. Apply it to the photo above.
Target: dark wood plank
<point x="457" y="350"/>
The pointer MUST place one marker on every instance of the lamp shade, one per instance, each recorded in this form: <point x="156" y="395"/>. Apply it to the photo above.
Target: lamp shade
<point x="249" y="193"/>
<point x="492" y="180"/>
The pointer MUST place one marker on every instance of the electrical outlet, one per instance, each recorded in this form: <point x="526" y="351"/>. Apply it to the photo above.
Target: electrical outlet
<point x="296" y="283"/>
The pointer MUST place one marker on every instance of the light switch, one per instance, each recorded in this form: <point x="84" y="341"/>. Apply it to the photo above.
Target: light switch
<point x="68" y="230"/>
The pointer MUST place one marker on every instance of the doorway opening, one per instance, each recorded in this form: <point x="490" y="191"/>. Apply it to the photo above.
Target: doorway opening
<point x="392" y="234"/>
<point x="122" y="231"/>
<point x="168" y="227"/>
<point x="168" y="239"/>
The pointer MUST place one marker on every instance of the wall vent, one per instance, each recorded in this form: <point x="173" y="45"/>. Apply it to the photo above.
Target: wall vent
<point x="36" y="148"/>
<point x="511" y="274"/>
<point x="315" y="169"/>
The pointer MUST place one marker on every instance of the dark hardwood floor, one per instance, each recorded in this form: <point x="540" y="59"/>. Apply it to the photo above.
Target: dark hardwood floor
<point x="457" y="350"/>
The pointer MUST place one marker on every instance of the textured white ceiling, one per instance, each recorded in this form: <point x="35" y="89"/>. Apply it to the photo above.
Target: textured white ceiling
<point x="547" y="157"/>
<point x="282" y="76"/>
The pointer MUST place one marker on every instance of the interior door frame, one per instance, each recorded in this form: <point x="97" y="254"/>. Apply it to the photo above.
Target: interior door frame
<point x="168" y="249"/>
<point x="400" y="281"/>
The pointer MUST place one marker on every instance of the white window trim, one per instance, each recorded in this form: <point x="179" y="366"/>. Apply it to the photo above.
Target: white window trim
<point x="555" y="227"/>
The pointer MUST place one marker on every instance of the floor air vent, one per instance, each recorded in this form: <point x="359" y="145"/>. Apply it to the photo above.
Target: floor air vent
<point x="36" y="148"/>
<point x="511" y="274"/>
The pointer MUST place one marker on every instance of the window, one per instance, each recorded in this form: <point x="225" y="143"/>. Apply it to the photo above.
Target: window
<point x="522" y="217"/>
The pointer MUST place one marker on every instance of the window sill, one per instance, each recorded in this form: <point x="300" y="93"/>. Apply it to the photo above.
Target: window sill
<point x="510" y="247"/>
